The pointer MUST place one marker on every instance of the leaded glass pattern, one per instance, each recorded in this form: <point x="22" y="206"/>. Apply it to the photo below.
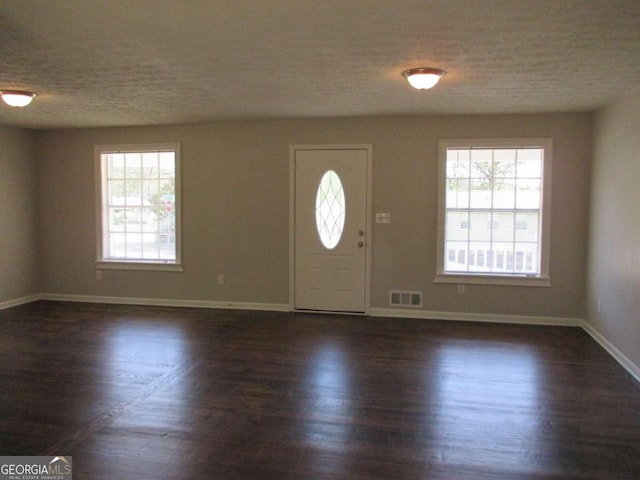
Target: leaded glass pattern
<point x="330" y="209"/>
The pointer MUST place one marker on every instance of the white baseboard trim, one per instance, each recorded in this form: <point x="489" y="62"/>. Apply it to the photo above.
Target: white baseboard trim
<point x="476" y="317"/>
<point x="167" y="302"/>
<point x="612" y="350"/>
<point x="20" y="301"/>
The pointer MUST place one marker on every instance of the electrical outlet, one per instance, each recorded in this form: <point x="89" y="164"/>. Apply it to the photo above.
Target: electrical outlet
<point x="98" y="274"/>
<point x="460" y="289"/>
<point x="220" y="279"/>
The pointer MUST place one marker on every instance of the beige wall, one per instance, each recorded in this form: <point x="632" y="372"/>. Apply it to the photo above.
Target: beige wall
<point x="18" y="242"/>
<point x="236" y="200"/>
<point x="614" y="258"/>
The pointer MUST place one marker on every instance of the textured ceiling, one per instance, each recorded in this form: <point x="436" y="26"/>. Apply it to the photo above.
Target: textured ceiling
<point x="143" y="62"/>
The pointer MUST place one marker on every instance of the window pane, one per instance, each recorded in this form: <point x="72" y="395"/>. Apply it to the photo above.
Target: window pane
<point x="503" y="229"/>
<point x="503" y="253"/>
<point x="150" y="192"/>
<point x="133" y="219"/>
<point x="149" y="220"/>
<point x="134" y="193"/>
<point x="504" y="163"/>
<point x="528" y="194"/>
<point x="167" y="187"/>
<point x="150" y="166"/>
<point x="457" y="258"/>
<point x="458" y="163"/>
<point x="167" y="164"/>
<point x="482" y="165"/>
<point x="116" y="165"/>
<point x="133" y="162"/>
<point x="480" y="226"/>
<point x="117" y="245"/>
<point x="151" y="246"/>
<point x="504" y="193"/>
<point x="529" y="163"/>
<point x="480" y="195"/>
<point x="116" y="192"/>
<point x="526" y="258"/>
<point x="166" y="221"/>
<point x="458" y="225"/>
<point x="527" y="227"/>
<point x="134" y="245"/>
<point x="166" y="248"/>
<point x="116" y="219"/>
<point x="480" y="252"/>
<point x="458" y="193"/>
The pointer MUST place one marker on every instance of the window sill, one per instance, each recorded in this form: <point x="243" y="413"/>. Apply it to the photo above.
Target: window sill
<point x="504" y="280"/>
<point x="140" y="266"/>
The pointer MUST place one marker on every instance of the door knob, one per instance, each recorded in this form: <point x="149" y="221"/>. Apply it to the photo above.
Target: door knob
<point x="361" y="244"/>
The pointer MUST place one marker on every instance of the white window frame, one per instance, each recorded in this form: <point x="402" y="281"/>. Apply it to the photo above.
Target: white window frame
<point x="100" y="178"/>
<point x="541" y="280"/>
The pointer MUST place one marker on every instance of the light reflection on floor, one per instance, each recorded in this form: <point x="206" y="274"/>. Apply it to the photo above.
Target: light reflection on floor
<point x="469" y="385"/>
<point x="152" y="347"/>
<point x="146" y="356"/>
<point x="331" y="407"/>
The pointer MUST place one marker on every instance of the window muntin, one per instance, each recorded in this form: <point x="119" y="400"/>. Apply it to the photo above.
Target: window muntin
<point x="139" y="206"/>
<point x="493" y="219"/>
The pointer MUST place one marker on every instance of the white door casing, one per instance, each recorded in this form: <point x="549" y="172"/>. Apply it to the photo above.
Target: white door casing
<point x="328" y="277"/>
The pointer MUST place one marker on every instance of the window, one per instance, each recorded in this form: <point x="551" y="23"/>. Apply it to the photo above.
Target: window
<point x="330" y="209"/>
<point x="493" y="220"/>
<point x="138" y="199"/>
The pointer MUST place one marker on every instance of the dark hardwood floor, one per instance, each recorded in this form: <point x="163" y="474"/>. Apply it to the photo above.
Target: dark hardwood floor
<point x="174" y="393"/>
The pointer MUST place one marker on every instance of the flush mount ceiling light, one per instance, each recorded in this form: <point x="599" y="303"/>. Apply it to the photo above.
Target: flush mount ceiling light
<point x="423" y="78"/>
<point x="17" y="98"/>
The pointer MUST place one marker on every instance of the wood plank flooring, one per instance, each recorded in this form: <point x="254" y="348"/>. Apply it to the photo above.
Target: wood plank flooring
<point x="137" y="393"/>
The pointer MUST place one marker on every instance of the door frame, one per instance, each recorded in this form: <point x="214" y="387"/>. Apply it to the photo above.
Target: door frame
<point x="292" y="216"/>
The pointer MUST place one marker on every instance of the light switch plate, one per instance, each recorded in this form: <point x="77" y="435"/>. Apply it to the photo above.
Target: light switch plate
<point x="383" y="218"/>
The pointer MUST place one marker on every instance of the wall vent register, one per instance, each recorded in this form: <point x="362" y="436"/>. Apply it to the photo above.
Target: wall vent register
<point x="402" y="298"/>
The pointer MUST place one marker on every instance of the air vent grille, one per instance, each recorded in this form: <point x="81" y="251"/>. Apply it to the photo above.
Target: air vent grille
<point x="404" y="298"/>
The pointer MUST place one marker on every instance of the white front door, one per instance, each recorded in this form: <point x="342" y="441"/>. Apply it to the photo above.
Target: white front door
<point x="330" y="228"/>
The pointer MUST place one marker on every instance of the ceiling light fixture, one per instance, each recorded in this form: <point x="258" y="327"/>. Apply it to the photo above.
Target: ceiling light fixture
<point x="17" y="98"/>
<point x="423" y="78"/>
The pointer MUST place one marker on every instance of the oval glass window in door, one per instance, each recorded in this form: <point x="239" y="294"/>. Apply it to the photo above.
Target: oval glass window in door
<point x="330" y="209"/>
